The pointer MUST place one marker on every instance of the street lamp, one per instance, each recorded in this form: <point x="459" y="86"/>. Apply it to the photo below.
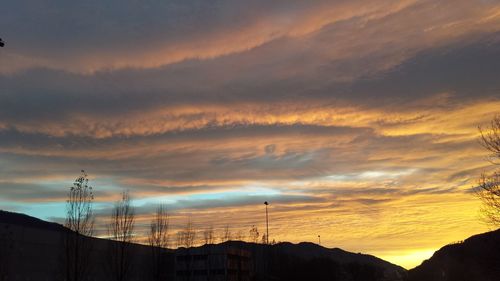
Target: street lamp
<point x="267" y="224"/>
<point x="319" y="239"/>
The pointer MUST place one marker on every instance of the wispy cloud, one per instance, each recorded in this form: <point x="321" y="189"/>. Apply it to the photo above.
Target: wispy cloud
<point x="357" y="120"/>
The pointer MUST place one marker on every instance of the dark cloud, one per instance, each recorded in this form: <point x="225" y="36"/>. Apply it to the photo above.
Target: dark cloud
<point x="42" y="192"/>
<point x="465" y="70"/>
<point x="94" y="25"/>
<point x="30" y="192"/>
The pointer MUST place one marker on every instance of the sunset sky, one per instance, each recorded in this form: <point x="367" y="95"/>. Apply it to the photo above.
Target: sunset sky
<point x="356" y="119"/>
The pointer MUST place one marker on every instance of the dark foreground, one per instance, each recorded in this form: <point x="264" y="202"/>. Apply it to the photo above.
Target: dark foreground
<point x="31" y="249"/>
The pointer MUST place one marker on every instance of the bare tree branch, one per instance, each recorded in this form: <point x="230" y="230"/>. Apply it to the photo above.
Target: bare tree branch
<point x="80" y="220"/>
<point x="254" y="234"/>
<point x="489" y="193"/>
<point x="489" y="184"/>
<point x="226" y="234"/>
<point x="490" y="139"/>
<point x="187" y="237"/>
<point x="158" y="240"/>
<point x="208" y="235"/>
<point x="121" y="229"/>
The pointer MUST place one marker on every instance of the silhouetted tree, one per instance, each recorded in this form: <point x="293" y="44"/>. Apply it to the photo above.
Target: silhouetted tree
<point x="264" y="239"/>
<point x="121" y="230"/>
<point x="239" y="236"/>
<point x="178" y="239"/>
<point x="489" y="184"/>
<point x="489" y="193"/>
<point x="208" y="235"/>
<point x="158" y="240"/>
<point x="254" y="234"/>
<point x="186" y="238"/>
<point x="226" y="234"/>
<point x="80" y="220"/>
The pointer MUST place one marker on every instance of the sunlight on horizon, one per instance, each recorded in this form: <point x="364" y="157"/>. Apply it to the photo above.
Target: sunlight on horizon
<point x="407" y="259"/>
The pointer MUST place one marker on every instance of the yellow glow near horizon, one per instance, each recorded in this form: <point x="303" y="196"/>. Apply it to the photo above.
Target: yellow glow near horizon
<point x="408" y="259"/>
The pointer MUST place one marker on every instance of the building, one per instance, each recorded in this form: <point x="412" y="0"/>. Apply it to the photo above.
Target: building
<point x="214" y="263"/>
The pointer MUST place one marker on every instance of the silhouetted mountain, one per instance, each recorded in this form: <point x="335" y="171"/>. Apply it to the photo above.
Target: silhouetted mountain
<point x="38" y="254"/>
<point x="309" y="261"/>
<point x="27" y="221"/>
<point x="307" y="250"/>
<point x="310" y="250"/>
<point x="477" y="258"/>
<point x="33" y="249"/>
<point x="36" y="247"/>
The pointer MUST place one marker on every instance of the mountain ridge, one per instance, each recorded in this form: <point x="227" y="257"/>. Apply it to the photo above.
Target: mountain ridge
<point x="476" y="258"/>
<point x="304" y="249"/>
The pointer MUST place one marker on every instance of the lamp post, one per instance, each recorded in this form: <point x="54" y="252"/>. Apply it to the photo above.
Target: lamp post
<point x="267" y="224"/>
<point x="319" y="239"/>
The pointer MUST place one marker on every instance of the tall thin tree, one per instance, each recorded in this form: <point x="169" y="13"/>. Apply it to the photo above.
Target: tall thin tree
<point x="208" y="235"/>
<point x="188" y="235"/>
<point x="226" y="234"/>
<point x="254" y="234"/>
<point x="158" y="241"/>
<point x="80" y="222"/>
<point x="121" y="230"/>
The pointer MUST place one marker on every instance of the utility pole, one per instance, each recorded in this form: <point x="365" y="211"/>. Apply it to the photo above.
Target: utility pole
<point x="267" y="224"/>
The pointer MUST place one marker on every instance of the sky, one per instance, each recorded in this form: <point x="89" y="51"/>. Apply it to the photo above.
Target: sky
<point x="357" y="120"/>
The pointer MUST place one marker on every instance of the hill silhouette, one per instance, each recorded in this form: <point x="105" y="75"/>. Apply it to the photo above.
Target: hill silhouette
<point x="476" y="258"/>
<point x="36" y="253"/>
<point x="28" y="221"/>
<point x="309" y="261"/>
<point x="33" y="249"/>
<point x="38" y="247"/>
